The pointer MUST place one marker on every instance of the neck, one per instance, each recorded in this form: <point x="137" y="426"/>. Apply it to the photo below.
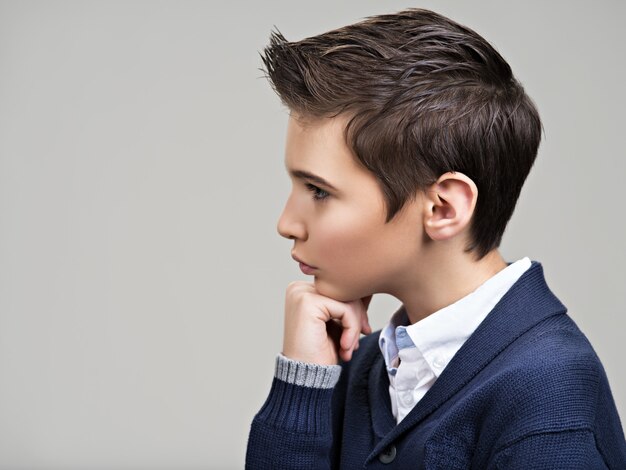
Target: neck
<point x="444" y="281"/>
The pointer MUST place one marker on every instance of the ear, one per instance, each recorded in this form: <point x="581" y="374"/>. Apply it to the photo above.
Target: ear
<point x="450" y="203"/>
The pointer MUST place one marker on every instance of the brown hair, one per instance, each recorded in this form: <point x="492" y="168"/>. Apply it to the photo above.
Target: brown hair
<point x="425" y="96"/>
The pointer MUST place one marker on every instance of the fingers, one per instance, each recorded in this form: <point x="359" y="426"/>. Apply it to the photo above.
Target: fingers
<point x="354" y="322"/>
<point x="348" y="317"/>
<point x="319" y="329"/>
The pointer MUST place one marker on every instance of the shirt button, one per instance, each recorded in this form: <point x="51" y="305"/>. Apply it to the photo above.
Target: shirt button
<point x="388" y="455"/>
<point x="439" y="362"/>
<point x="407" y="398"/>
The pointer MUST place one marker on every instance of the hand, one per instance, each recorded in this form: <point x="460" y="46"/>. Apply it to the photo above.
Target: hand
<point x="319" y="329"/>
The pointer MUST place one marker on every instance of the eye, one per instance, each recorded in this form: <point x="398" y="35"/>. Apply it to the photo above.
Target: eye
<point x="318" y="193"/>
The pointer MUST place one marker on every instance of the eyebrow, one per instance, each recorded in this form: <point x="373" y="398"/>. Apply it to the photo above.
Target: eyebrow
<point x="305" y="175"/>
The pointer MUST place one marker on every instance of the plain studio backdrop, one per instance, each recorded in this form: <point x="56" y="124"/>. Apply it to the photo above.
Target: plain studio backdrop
<point x="142" y="278"/>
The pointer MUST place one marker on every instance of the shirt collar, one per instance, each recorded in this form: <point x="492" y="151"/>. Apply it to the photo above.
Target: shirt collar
<point x="387" y="338"/>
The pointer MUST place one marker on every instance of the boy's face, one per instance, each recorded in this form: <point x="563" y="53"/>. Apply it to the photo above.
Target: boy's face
<point x="342" y="231"/>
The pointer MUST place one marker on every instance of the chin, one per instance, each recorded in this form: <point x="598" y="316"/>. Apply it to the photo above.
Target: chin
<point x="335" y="292"/>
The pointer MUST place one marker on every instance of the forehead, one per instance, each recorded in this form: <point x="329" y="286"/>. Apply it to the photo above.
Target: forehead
<point x="318" y="146"/>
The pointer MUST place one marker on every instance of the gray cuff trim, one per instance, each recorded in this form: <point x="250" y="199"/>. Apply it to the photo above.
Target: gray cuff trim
<point x="305" y="374"/>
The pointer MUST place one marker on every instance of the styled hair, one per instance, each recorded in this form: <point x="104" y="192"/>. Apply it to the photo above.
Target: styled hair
<point x="424" y="96"/>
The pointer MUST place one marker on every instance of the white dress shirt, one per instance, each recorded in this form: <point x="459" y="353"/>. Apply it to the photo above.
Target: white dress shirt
<point x="415" y="355"/>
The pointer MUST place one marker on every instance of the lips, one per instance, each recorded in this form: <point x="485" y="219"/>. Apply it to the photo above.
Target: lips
<point x="305" y="268"/>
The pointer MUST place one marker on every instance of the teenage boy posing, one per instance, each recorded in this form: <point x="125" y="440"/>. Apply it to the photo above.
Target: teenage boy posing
<point x="408" y="143"/>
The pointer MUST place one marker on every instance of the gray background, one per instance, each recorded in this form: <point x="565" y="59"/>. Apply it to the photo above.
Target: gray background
<point x="141" y="178"/>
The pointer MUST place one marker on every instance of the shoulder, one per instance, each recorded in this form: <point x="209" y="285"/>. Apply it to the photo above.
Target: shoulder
<point x="559" y="348"/>
<point x="547" y="382"/>
<point x="553" y="393"/>
<point x="556" y="355"/>
<point x="551" y="379"/>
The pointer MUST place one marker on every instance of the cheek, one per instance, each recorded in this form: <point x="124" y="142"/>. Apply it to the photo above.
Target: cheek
<point x="345" y="243"/>
<point x="350" y="256"/>
<point x="359" y="254"/>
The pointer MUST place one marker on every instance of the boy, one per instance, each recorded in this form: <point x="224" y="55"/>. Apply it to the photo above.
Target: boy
<point x="408" y="144"/>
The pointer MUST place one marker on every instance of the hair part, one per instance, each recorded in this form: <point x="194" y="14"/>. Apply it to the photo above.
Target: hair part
<point x="424" y="96"/>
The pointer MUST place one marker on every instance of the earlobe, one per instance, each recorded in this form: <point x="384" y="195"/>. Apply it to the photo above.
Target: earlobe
<point x="450" y="203"/>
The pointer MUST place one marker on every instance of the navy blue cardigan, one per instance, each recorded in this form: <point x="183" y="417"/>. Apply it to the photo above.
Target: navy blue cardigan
<point x="525" y="391"/>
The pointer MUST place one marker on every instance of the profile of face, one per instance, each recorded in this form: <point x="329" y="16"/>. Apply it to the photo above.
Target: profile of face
<point x="337" y="220"/>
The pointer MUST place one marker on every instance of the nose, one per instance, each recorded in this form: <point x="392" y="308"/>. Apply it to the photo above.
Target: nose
<point x="289" y="225"/>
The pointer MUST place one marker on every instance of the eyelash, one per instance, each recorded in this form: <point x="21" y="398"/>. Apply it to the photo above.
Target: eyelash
<point x="318" y="193"/>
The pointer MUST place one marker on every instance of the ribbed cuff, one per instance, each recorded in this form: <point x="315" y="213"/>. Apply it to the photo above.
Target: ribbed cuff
<point x="305" y="374"/>
<point x="294" y="408"/>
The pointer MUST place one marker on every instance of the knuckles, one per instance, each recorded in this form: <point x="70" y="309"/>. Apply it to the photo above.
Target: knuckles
<point x="300" y="290"/>
<point x="299" y="286"/>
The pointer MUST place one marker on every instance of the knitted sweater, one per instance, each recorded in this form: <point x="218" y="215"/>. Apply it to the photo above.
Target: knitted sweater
<point x="525" y="391"/>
